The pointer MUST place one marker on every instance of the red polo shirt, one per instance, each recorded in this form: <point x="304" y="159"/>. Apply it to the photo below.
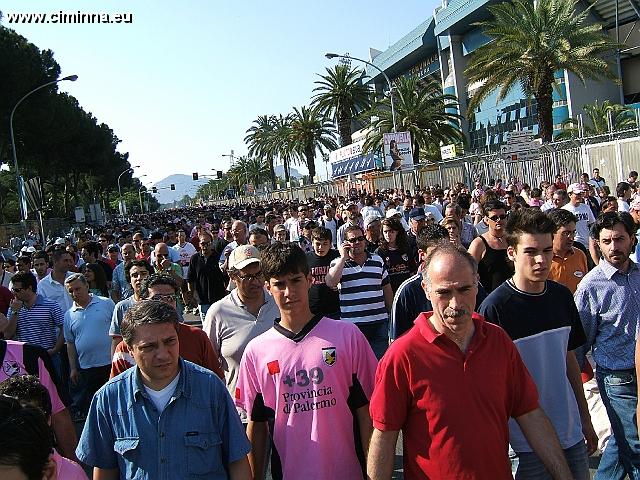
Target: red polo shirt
<point x="453" y="408"/>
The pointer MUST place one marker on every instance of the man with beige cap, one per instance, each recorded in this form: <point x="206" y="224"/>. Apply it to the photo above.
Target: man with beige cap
<point x="583" y="213"/>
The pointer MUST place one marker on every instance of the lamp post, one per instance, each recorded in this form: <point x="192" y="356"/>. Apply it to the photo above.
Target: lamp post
<point x="140" y="194"/>
<point x="21" y="199"/>
<point x="393" y="110"/>
<point x="120" y="204"/>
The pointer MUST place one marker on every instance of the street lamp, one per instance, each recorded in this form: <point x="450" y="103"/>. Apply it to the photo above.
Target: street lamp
<point x="21" y="199"/>
<point x="140" y="193"/>
<point x="393" y="110"/>
<point x="130" y="169"/>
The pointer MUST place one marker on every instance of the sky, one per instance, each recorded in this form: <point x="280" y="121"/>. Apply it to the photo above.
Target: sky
<point x="182" y="83"/>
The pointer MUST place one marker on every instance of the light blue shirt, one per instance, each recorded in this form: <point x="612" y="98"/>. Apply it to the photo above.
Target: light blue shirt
<point x="609" y="306"/>
<point x="196" y="436"/>
<point x="88" y="329"/>
<point x="119" y="282"/>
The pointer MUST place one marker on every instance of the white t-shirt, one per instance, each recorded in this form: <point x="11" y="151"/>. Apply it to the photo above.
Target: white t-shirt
<point x="160" y="398"/>
<point x="291" y="224"/>
<point x="585" y="218"/>
<point x="623" y="205"/>
<point x="330" y="224"/>
<point x="185" y="253"/>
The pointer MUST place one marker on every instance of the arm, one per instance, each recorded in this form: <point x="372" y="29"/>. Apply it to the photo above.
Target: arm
<point x="388" y="296"/>
<point x="65" y="432"/>
<point x="115" y="340"/>
<point x="105" y="473"/>
<point x="540" y="434"/>
<point x="594" y="251"/>
<point x="257" y="432"/>
<point x="59" y="344"/>
<point x="365" y="426"/>
<point x="476" y="249"/>
<point x="240" y="470"/>
<point x="12" y="326"/>
<point x="332" y="279"/>
<point x="382" y="451"/>
<point x="575" y="379"/>
<point x="73" y="366"/>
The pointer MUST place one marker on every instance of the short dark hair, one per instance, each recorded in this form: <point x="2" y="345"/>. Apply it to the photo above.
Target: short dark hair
<point x="28" y="390"/>
<point x="157" y="279"/>
<point x="41" y="254"/>
<point x="431" y="235"/>
<point x="493" y="205"/>
<point x="259" y="231"/>
<point x="561" y="217"/>
<point x="147" y="312"/>
<point x="26" y="440"/>
<point x="281" y="259"/>
<point x="136" y="263"/>
<point x="633" y="173"/>
<point x="527" y="220"/>
<point x="321" y="234"/>
<point x="621" y="188"/>
<point x="609" y="220"/>
<point x="26" y="279"/>
<point x="94" y="248"/>
<point x="353" y="228"/>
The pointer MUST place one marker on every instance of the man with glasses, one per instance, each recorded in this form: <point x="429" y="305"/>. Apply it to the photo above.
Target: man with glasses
<point x="194" y="343"/>
<point x="242" y="315"/>
<point x="569" y="264"/>
<point x="490" y="248"/>
<point x="365" y="292"/>
<point x="351" y="221"/>
<point x="205" y="277"/>
<point x="582" y="212"/>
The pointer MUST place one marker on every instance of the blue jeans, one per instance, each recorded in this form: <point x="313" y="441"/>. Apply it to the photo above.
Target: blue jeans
<point x="531" y="467"/>
<point x="204" y="307"/>
<point x="378" y="336"/>
<point x="619" y="395"/>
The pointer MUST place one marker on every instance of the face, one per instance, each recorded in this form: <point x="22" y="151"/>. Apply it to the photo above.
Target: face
<point x="610" y="207"/>
<point x="205" y="244"/>
<point x="302" y="212"/>
<point x="328" y="212"/>
<point x="563" y="238"/>
<point x="21" y="292"/>
<point x="259" y="241"/>
<point x="182" y="236"/>
<point x="615" y="245"/>
<point x="557" y="200"/>
<point x="389" y="234"/>
<point x="532" y="257"/>
<point x="163" y="293"/>
<point x="161" y="253"/>
<point x="113" y="256"/>
<point x="89" y="275"/>
<point x="137" y="241"/>
<point x="550" y="191"/>
<point x="416" y="225"/>
<point x="104" y="243"/>
<point x="452" y="290"/>
<point x="23" y="265"/>
<point x="454" y="232"/>
<point x="155" y="349"/>
<point x="249" y="280"/>
<point x="576" y="197"/>
<point x="227" y="227"/>
<point x="357" y="241"/>
<point x="596" y="173"/>
<point x="78" y="291"/>
<point x="373" y="229"/>
<point x="280" y="235"/>
<point x="137" y="274"/>
<point x="290" y="292"/>
<point x="239" y="232"/>
<point x="40" y="266"/>
<point x="260" y="219"/>
<point x="408" y="204"/>
<point x="128" y="252"/>
<point x="496" y="219"/>
<point x="321" y="247"/>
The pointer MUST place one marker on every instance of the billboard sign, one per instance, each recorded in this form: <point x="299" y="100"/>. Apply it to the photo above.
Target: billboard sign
<point x="397" y="151"/>
<point x="350" y="160"/>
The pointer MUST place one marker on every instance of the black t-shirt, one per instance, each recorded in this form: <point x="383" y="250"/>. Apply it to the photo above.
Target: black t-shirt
<point x="206" y="276"/>
<point x="399" y="265"/>
<point x="322" y="299"/>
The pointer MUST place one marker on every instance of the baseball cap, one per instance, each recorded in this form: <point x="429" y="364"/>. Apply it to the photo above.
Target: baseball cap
<point x="417" y="213"/>
<point x="576" y="188"/>
<point x="392" y="212"/>
<point x="370" y="219"/>
<point x="59" y="241"/>
<point x="242" y="256"/>
<point x="327" y="207"/>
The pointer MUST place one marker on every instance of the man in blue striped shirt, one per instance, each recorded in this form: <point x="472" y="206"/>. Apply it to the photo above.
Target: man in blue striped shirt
<point x="365" y="292"/>
<point x="608" y="299"/>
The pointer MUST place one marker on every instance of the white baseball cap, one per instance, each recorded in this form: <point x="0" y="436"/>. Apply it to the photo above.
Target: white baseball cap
<point x="242" y="256"/>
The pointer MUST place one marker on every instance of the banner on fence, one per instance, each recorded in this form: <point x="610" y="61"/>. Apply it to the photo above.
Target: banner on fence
<point x="350" y="160"/>
<point x="397" y="151"/>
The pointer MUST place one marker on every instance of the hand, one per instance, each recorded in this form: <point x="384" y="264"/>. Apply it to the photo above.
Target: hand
<point x="15" y="304"/>
<point x="590" y="436"/>
<point x="165" y="264"/>
<point x="345" y="248"/>
<point x="52" y="352"/>
<point x="74" y="376"/>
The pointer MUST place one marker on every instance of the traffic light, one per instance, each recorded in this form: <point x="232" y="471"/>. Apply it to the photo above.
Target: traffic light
<point x="219" y="174"/>
<point x="173" y="186"/>
<point x="154" y="189"/>
<point x="195" y="176"/>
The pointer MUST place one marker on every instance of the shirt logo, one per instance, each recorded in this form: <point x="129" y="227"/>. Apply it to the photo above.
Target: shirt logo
<point x="273" y="367"/>
<point x="10" y="368"/>
<point x="329" y="355"/>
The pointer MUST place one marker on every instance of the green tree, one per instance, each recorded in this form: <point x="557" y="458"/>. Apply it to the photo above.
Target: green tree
<point x="421" y="109"/>
<point x="260" y="142"/>
<point x="283" y="143"/>
<point x="341" y="95"/>
<point x="531" y="41"/>
<point x="622" y="118"/>
<point x="311" y="131"/>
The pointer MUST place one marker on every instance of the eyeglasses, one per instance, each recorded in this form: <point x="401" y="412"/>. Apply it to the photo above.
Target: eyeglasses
<point x="17" y="290"/>
<point x="204" y="244"/>
<point x="361" y="238"/>
<point x="495" y="218"/>
<point x="568" y="234"/>
<point x="302" y="210"/>
<point x="251" y="277"/>
<point x="163" y="298"/>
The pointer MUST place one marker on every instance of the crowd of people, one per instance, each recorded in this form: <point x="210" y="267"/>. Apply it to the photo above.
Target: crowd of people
<point x="494" y="326"/>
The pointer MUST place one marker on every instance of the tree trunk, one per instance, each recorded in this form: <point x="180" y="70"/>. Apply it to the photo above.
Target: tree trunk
<point x="309" y="153"/>
<point x="344" y="126"/>
<point x="416" y="152"/>
<point x="272" y="174"/>
<point x="544" y="98"/>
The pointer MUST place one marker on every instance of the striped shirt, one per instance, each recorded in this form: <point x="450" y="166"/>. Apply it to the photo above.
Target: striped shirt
<point x="38" y="325"/>
<point x="360" y="289"/>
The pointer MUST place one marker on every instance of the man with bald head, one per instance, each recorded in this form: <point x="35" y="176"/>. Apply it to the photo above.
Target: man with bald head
<point x="451" y="384"/>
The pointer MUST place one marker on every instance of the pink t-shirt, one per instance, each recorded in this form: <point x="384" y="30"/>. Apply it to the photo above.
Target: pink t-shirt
<point x="67" y="469"/>
<point x="14" y="363"/>
<point x="308" y="380"/>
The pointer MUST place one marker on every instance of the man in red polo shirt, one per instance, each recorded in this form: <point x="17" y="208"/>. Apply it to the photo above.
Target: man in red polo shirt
<point x="451" y="384"/>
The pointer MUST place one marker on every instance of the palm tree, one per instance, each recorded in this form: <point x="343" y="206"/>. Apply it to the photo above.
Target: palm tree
<point x="342" y="96"/>
<point x="282" y="143"/>
<point x="311" y="131"/>
<point x="531" y="41"/>
<point x="257" y="170"/>
<point x="260" y="140"/>
<point x="622" y="118"/>
<point x="421" y="109"/>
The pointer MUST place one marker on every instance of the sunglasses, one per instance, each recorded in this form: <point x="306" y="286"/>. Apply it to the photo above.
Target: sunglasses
<point x="495" y="218"/>
<point x="17" y="290"/>
<point x="250" y="278"/>
<point x="361" y="238"/>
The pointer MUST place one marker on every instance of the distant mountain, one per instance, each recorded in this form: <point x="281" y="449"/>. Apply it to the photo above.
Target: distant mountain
<point x="279" y="169"/>
<point x="184" y="186"/>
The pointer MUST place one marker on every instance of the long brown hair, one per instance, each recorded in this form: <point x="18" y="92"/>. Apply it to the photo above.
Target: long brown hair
<point x="402" y="242"/>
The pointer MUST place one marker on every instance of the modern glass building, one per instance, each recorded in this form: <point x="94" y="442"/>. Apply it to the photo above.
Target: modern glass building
<point x="441" y="46"/>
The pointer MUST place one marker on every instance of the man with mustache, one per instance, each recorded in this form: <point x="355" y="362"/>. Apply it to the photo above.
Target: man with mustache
<point x="451" y="384"/>
<point x="541" y="318"/>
